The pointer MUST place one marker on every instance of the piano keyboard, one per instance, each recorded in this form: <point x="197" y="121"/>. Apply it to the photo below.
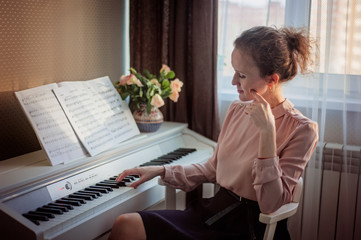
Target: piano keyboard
<point x="56" y="211"/>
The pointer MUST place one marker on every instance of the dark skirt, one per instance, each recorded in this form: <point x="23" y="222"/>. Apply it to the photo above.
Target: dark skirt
<point x="220" y="217"/>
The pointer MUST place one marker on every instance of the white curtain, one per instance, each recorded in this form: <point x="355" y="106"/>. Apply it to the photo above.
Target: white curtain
<point x="331" y="95"/>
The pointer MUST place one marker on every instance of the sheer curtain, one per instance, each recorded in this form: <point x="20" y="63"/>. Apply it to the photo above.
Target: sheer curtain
<point x="331" y="95"/>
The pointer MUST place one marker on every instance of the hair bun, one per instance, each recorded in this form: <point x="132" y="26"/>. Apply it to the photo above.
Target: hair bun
<point x="293" y="38"/>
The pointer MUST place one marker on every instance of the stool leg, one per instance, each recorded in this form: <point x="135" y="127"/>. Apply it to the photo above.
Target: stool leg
<point x="170" y="198"/>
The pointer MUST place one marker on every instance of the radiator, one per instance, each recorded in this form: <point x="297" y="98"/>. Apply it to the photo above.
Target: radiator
<point x="331" y="206"/>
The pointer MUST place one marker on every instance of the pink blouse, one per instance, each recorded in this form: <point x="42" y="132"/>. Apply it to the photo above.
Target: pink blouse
<point x="235" y="166"/>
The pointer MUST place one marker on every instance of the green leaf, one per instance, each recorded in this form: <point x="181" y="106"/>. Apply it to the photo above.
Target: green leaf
<point x="124" y="95"/>
<point x="149" y="75"/>
<point x="170" y="75"/>
<point x="165" y="84"/>
<point x="132" y="70"/>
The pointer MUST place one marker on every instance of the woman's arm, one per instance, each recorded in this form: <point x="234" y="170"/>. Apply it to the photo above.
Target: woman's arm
<point x="275" y="174"/>
<point x="274" y="178"/>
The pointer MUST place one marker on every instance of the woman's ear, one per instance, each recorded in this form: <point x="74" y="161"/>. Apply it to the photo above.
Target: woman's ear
<point x="272" y="79"/>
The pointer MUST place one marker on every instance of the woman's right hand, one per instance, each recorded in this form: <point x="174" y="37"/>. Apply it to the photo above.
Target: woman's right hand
<point x="144" y="173"/>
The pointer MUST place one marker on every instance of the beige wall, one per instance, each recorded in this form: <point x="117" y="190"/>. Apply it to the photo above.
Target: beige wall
<point x="45" y="41"/>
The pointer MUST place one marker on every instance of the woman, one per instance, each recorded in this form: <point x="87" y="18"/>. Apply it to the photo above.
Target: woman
<point x="262" y="150"/>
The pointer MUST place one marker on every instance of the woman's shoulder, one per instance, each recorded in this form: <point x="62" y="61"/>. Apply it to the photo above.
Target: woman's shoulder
<point x="300" y="120"/>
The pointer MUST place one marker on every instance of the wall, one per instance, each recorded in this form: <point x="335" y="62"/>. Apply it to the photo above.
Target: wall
<point x="46" y="41"/>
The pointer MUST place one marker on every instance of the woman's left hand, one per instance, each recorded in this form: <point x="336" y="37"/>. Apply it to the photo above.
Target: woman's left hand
<point x="260" y="112"/>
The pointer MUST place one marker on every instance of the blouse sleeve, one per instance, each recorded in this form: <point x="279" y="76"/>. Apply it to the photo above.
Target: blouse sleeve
<point x="190" y="176"/>
<point x="275" y="178"/>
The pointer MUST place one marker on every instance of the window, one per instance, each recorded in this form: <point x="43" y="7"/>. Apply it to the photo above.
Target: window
<point x="336" y="80"/>
<point x="235" y="16"/>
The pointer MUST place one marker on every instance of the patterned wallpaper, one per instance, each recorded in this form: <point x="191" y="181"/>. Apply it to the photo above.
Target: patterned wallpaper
<point x="45" y="41"/>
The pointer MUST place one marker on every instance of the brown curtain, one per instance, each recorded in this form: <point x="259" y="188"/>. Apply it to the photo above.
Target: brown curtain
<point x="183" y="35"/>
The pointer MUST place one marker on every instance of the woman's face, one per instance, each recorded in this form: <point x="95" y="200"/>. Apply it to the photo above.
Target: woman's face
<point x="247" y="76"/>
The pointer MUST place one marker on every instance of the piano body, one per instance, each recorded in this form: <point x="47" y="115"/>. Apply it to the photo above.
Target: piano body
<point x="28" y="183"/>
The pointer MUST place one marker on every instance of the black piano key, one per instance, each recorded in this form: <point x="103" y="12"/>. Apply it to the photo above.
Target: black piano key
<point x="165" y="161"/>
<point x="73" y="203"/>
<point x="49" y="215"/>
<point x="96" y="193"/>
<point x="113" y="178"/>
<point x="121" y="184"/>
<point x="49" y="210"/>
<point x="136" y="176"/>
<point x="82" y="196"/>
<point x="82" y="201"/>
<point x="126" y="180"/>
<point x="96" y="188"/>
<point x="150" y="164"/>
<point x="92" y="194"/>
<point x="109" y="181"/>
<point x="36" y="217"/>
<point x="36" y="222"/>
<point x="131" y="177"/>
<point x="102" y="187"/>
<point x="64" y="207"/>
<point x="105" y="184"/>
<point x="187" y="150"/>
<point x="170" y="156"/>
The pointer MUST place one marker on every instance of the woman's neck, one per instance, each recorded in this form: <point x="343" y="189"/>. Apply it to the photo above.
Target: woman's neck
<point x="275" y="96"/>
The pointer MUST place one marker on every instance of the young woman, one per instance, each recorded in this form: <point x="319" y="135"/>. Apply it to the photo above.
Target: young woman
<point x="262" y="150"/>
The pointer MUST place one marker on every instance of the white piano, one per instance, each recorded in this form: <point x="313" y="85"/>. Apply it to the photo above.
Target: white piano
<point x="28" y="183"/>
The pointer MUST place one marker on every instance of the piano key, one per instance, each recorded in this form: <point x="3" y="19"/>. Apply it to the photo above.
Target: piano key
<point x="87" y="193"/>
<point x="73" y="203"/>
<point x="109" y="181"/>
<point x="165" y="161"/>
<point x="136" y="176"/>
<point x="121" y="184"/>
<point x="130" y="177"/>
<point x="50" y="210"/>
<point x="150" y="164"/>
<point x="102" y="187"/>
<point x="185" y="150"/>
<point x="126" y="180"/>
<point x="105" y="184"/>
<point x="64" y="207"/>
<point x="96" y="193"/>
<point x="82" y="196"/>
<point x="34" y="221"/>
<point x="82" y="201"/>
<point x="49" y="215"/>
<point x="98" y="189"/>
<point x="36" y="217"/>
<point x="170" y="156"/>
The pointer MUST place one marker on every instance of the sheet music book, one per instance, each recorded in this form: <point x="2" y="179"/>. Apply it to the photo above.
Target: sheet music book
<point x="73" y="120"/>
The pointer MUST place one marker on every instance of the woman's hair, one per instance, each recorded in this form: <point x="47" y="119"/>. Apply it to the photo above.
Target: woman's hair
<point x="280" y="51"/>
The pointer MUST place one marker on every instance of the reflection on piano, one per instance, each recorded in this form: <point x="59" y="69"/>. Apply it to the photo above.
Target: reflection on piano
<point x="80" y="200"/>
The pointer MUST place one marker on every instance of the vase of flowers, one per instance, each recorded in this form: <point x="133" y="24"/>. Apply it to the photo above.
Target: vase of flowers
<point x="146" y="94"/>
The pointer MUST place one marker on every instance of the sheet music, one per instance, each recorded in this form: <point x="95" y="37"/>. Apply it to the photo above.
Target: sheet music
<point x="52" y="127"/>
<point x="118" y="117"/>
<point x="96" y="112"/>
